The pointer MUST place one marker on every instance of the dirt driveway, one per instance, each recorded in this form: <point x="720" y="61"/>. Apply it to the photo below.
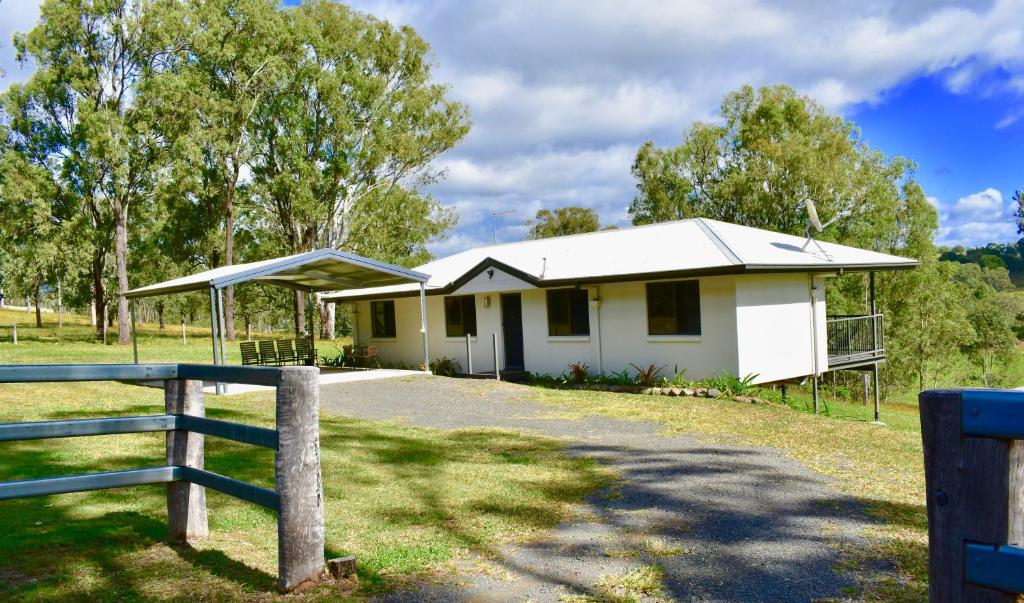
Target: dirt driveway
<point x="725" y="523"/>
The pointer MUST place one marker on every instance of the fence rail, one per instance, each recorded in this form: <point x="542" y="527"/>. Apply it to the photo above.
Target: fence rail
<point x="297" y="496"/>
<point x="974" y="476"/>
<point x="855" y="338"/>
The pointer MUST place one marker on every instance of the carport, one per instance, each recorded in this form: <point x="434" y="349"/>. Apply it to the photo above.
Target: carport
<point x="311" y="272"/>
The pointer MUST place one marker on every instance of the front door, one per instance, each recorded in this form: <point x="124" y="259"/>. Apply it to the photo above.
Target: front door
<point x="512" y="330"/>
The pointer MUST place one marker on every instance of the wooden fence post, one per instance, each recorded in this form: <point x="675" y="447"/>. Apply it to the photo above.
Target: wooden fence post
<point x="186" y="502"/>
<point x="300" y="521"/>
<point x="968" y="488"/>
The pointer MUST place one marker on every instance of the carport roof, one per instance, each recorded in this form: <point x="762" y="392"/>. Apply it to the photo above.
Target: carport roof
<point x="320" y="270"/>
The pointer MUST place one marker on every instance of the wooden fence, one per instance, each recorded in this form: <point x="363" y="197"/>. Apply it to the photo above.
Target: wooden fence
<point x="298" y="493"/>
<point x="974" y="475"/>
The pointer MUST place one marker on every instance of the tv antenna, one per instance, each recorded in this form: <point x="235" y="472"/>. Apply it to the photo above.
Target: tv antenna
<point x="495" y="214"/>
<point x="814" y="224"/>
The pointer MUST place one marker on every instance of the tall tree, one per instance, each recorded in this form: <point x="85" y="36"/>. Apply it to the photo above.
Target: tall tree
<point x="234" y="52"/>
<point x="563" y="221"/>
<point x="91" y="60"/>
<point x="357" y="120"/>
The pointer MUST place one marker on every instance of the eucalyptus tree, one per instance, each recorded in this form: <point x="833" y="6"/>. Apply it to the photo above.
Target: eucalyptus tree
<point x="92" y="61"/>
<point x="563" y="221"/>
<point x="234" y="52"/>
<point x="356" y="122"/>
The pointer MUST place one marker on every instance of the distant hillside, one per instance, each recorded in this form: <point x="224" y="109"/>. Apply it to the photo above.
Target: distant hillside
<point x="993" y="255"/>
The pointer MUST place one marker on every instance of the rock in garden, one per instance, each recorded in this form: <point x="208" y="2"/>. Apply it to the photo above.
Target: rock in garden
<point x="677" y="391"/>
<point x="714" y="393"/>
<point x="687" y="391"/>
<point x="702" y="392"/>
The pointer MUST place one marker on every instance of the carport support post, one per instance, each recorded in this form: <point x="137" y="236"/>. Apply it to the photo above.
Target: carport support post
<point x="213" y="332"/>
<point x="423" y="322"/>
<point x="135" y="331"/>
<point x="220" y="318"/>
<point x="300" y="520"/>
<point x="186" y="502"/>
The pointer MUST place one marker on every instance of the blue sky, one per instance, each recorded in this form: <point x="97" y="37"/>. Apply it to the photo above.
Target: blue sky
<point x="562" y="93"/>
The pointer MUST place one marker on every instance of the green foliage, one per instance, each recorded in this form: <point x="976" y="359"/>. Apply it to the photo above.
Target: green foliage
<point x="444" y="366"/>
<point x="678" y="378"/>
<point x="1000" y="259"/>
<point x="774" y="150"/>
<point x="152" y="135"/>
<point x="563" y="221"/>
<point x="729" y="384"/>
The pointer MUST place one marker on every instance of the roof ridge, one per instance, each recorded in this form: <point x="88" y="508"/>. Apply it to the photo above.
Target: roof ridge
<point x="718" y="241"/>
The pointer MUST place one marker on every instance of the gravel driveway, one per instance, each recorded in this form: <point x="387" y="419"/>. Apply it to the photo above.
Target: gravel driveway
<point x="728" y="523"/>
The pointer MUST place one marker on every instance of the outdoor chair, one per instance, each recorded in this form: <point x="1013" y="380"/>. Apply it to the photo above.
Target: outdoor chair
<point x="371" y="356"/>
<point x="250" y="355"/>
<point x="305" y="353"/>
<point x="268" y="355"/>
<point x="285" y="351"/>
<point x="348" y="354"/>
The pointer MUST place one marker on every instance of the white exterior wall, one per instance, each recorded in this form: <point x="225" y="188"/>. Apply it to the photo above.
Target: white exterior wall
<point x="774" y="326"/>
<point x="750" y="324"/>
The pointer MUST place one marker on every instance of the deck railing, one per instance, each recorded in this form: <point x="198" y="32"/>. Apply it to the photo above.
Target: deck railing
<point x="297" y="497"/>
<point x="974" y="480"/>
<point x="855" y="338"/>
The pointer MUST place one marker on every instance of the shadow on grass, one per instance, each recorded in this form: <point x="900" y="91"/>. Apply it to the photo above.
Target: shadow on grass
<point x="87" y="545"/>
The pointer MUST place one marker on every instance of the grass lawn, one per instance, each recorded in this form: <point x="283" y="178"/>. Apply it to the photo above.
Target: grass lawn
<point x="407" y="502"/>
<point x="879" y="466"/>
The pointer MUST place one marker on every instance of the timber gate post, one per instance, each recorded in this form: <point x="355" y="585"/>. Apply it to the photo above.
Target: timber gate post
<point x="186" y="502"/>
<point x="300" y="522"/>
<point x="974" y="476"/>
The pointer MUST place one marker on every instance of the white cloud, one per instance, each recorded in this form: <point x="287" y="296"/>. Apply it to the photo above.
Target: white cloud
<point x="563" y="93"/>
<point x="977" y="219"/>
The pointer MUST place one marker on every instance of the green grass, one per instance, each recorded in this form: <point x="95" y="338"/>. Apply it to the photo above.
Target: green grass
<point x="407" y="502"/>
<point x="880" y="466"/>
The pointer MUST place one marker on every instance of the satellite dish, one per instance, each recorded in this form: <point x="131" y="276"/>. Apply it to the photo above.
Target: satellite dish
<point x="812" y="215"/>
<point x="814" y="222"/>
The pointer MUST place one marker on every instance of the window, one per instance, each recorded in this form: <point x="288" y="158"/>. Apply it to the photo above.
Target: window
<point x="460" y="315"/>
<point x="382" y="318"/>
<point x="673" y="308"/>
<point x="568" y="312"/>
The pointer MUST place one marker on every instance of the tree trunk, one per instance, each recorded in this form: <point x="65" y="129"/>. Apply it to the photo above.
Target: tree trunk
<point x="99" y="294"/>
<point x="248" y="328"/>
<point x="300" y="313"/>
<point x="327" y="320"/>
<point x="160" y="315"/>
<point x="121" y="264"/>
<point x="39" y="310"/>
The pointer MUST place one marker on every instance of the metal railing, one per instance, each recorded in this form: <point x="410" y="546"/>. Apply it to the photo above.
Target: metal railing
<point x="855" y="338"/>
<point x="297" y="497"/>
<point x="974" y="480"/>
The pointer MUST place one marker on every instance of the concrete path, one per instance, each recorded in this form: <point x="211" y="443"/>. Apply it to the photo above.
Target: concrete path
<point x="726" y="523"/>
<point x="327" y="376"/>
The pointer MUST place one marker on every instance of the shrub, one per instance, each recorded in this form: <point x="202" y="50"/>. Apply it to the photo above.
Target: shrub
<point x="444" y="366"/>
<point x="678" y="379"/>
<point x="647" y="377"/>
<point x="579" y="372"/>
<point x="731" y="385"/>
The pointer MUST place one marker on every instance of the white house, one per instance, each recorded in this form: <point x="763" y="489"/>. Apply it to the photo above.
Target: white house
<point x="696" y="294"/>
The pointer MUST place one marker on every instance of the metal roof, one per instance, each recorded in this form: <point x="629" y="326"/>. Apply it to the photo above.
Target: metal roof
<point x="320" y="270"/>
<point x="692" y="247"/>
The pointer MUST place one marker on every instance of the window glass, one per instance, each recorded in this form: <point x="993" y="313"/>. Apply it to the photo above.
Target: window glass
<point x="673" y="308"/>
<point x="568" y="312"/>
<point x="460" y="315"/>
<point x="382" y="318"/>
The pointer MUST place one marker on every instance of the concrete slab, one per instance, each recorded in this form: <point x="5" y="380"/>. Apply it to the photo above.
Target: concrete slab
<point x="327" y="376"/>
